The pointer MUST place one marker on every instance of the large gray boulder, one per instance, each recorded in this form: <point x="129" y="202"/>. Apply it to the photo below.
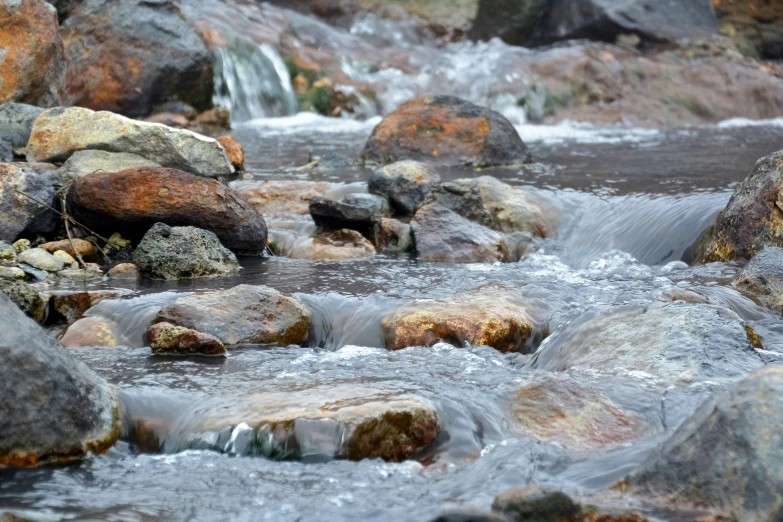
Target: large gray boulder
<point x="53" y="407"/>
<point x="86" y="162"/>
<point x="405" y="183"/>
<point x="728" y="456"/>
<point x="244" y="314"/>
<point x="534" y="22"/>
<point x="16" y="122"/>
<point x="59" y="132"/>
<point x="443" y="235"/>
<point x="675" y="343"/>
<point x="762" y="278"/>
<point x="182" y="252"/>
<point x="23" y="215"/>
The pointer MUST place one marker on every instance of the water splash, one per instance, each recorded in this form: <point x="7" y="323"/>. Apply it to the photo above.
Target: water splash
<point x="252" y="81"/>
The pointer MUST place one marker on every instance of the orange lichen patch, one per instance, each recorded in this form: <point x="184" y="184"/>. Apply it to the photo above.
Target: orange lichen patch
<point x="234" y="151"/>
<point x="557" y="409"/>
<point x="31" y="53"/>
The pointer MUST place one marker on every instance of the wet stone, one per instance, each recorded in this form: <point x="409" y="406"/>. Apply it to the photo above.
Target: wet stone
<point x="762" y="278"/>
<point x="356" y="212"/>
<point x="25" y="297"/>
<point x="167" y="339"/>
<point x="339" y="245"/>
<point x="406" y="184"/>
<point x="89" y="331"/>
<point x="127" y="271"/>
<point x="392" y="235"/>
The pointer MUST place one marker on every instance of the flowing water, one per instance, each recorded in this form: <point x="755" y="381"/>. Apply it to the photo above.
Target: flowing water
<point x="631" y="201"/>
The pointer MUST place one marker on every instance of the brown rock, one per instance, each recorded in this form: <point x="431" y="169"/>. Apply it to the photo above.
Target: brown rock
<point x="81" y="247"/>
<point x="127" y="57"/>
<point x="133" y="200"/>
<point x="751" y="220"/>
<point x="89" y="331"/>
<point x="165" y="339"/>
<point x="392" y="235"/>
<point x="556" y="408"/>
<point x="488" y="316"/>
<point x="167" y="118"/>
<point x="70" y="306"/>
<point x="234" y="151"/>
<point x="124" y="271"/>
<point x="214" y="120"/>
<point x="756" y="26"/>
<point x="445" y="129"/>
<point x="32" y="53"/>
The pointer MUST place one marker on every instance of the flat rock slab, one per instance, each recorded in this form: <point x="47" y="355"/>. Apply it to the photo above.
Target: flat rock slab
<point x="59" y="132"/>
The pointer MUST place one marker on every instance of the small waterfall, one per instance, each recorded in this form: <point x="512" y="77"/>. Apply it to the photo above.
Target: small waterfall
<point x="252" y="81"/>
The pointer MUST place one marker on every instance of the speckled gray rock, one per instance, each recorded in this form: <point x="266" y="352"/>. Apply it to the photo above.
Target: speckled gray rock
<point x="86" y="162"/>
<point x="41" y="259"/>
<point x="762" y="278"/>
<point x="244" y="314"/>
<point x="25" y="297"/>
<point x="59" y="132"/>
<point x="79" y="414"/>
<point x="357" y="212"/>
<point x="728" y="456"/>
<point x="443" y="235"/>
<point x="182" y="252"/>
<point x="463" y="197"/>
<point x="405" y="183"/>
<point x="16" y="122"/>
<point x="22" y="215"/>
<point x="675" y="343"/>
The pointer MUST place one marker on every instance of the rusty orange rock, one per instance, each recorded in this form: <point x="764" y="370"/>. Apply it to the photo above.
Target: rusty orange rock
<point x="131" y="201"/>
<point x="446" y="130"/>
<point x="32" y="63"/>
<point x="234" y="151"/>
<point x="128" y="56"/>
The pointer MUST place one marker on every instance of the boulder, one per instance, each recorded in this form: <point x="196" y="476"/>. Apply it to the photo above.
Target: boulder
<point x="127" y="271"/>
<point x="80" y="413"/>
<point x="242" y="315"/>
<point x="727" y="457"/>
<point x="22" y="215"/>
<point x="751" y="220"/>
<point x="234" y="151"/>
<point x="338" y="245"/>
<point x="167" y="339"/>
<point x="33" y="64"/>
<point x="557" y="408"/>
<point x="355" y="212"/>
<point x="756" y="26"/>
<point x="392" y="235"/>
<point x="41" y="259"/>
<point x="59" y="132"/>
<point x="25" y="297"/>
<point x="445" y="130"/>
<point x="531" y="22"/>
<point x="442" y="235"/>
<point x="89" y="331"/>
<point x="762" y="278"/>
<point x="85" y="162"/>
<point x="128" y="56"/>
<point x="318" y="422"/>
<point x="543" y="504"/>
<point x="16" y="123"/>
<point x="406" y="184"/>
<point x="73" y="247"/>
<point x="131" y="201"/>
<point x="676" y="343"/>
<point x="182" y="252"/>
<point x="488" y="316"/>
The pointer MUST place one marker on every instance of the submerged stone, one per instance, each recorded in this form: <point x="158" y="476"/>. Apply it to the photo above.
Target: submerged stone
<point x="79" y="414"/>
<point x="339" y="245"/>
<point x="319" y="422"/>
<point x="70" y="305"/>
<point x="244" y="314"/>
<point x="89" y="331"/>
<point x="727" y="457"/>
<point x="676" y="343"/>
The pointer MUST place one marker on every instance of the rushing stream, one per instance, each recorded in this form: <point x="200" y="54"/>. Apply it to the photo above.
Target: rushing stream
<point x="631" y="202"/>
